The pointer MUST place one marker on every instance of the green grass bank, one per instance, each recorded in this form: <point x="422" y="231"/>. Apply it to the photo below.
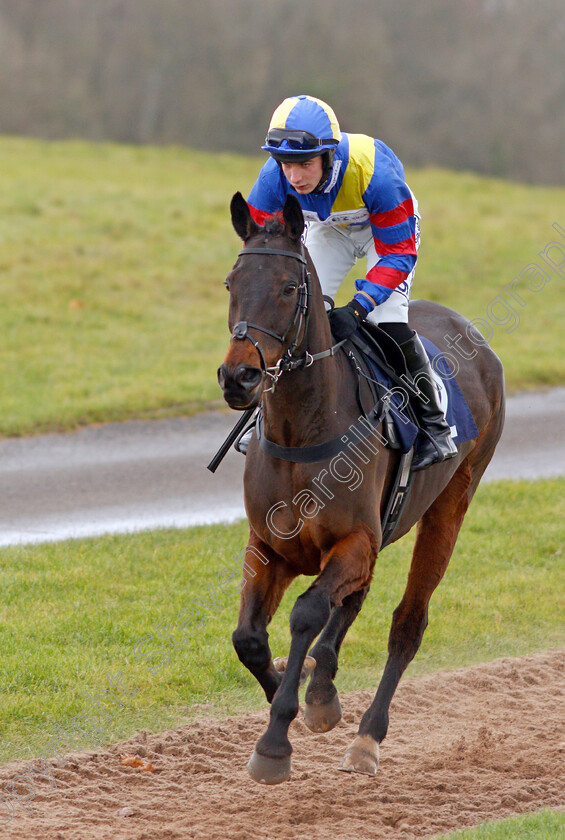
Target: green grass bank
<point x="112" y="260"/>
<point x="77" y="615"/>
<point x="543" y="825"/>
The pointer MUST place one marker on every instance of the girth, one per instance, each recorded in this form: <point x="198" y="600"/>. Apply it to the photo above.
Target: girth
<point x="357" y="432"/>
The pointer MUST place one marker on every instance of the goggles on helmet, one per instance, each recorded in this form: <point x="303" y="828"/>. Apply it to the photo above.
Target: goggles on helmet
<point x="296" y="138"/>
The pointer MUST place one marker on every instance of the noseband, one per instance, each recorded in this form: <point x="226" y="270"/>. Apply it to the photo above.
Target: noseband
<point x="300" y="319"/>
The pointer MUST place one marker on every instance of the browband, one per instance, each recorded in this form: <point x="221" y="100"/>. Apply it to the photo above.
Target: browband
<point x="274" y="251"/>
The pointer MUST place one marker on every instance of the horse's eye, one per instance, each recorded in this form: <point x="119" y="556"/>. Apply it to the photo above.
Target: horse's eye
<point x="227" y="283"/>
<point x="290" y="288"/>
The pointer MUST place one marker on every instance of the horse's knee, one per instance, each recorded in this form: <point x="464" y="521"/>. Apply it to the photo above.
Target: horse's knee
<point x="310" y="613"/>
<point x="252" y="647"/>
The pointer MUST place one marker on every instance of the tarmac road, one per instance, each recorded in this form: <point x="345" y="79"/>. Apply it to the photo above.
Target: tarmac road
<point x="125" y="477"/>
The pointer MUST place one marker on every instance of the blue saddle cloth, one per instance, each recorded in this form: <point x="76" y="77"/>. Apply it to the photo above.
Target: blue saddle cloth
<point x="452" y="401"/>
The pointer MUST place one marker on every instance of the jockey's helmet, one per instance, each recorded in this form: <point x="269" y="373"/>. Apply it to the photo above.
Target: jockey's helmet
<point x="301" y="128"/>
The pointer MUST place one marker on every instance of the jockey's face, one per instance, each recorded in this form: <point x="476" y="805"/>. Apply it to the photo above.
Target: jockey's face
<point x="304" y="177"/>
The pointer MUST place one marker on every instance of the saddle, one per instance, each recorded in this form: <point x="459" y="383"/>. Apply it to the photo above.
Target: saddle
<point x="379" y="361"/>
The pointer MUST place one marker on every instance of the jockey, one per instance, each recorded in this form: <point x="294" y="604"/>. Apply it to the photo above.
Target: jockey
<point x="356" y="203"/>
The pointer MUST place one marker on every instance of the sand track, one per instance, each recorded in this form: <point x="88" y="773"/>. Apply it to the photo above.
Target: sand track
<point x="463" y="747"/>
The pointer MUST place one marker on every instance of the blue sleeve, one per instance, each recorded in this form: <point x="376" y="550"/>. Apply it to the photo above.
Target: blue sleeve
<point x="268" y="193"/>
<point x="393" y="225"/>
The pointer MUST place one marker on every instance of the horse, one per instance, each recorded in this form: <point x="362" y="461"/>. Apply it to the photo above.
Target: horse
<point x="304" y="520"/>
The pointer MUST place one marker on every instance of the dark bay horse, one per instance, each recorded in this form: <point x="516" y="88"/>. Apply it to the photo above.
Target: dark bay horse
<point x="323" y="518"/>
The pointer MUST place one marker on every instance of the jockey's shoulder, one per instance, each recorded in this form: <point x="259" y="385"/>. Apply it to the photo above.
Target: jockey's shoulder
<point x="370" y="156"/>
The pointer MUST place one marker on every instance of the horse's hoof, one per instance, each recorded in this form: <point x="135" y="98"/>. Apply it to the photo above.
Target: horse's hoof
<point x="321" y="717"/>
<point x="269" y="771"/>
<point x="362" y="756"/>
<point x="281" y="662"/>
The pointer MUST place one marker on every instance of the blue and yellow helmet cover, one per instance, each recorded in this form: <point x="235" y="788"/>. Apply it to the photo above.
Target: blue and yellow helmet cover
<point x="306" y="114"/>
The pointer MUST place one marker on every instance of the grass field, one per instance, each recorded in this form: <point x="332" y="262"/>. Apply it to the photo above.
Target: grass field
<point x="545" y="825"/>
<point x="112" y="260"/>
<point x="74" y="613"/>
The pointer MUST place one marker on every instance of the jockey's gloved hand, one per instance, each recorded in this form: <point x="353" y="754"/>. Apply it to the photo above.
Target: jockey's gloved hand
<point x="345" y="319"/>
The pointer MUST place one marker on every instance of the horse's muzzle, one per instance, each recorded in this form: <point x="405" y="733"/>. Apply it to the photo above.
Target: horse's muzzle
<point x="242" y="386"/>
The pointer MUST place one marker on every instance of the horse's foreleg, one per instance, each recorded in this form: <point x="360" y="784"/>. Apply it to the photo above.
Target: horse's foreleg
<point x="265" y="578"/>
<point x="437" y="534"/>
<point x="322" y="708"/>
<point x="346" y="568"/>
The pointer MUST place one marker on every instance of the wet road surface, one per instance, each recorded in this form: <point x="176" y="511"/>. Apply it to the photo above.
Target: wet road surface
<point x="125" y="477"/>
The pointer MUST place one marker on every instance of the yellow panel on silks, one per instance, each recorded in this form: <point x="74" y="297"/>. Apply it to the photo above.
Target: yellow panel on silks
<point x="360" y="168"/>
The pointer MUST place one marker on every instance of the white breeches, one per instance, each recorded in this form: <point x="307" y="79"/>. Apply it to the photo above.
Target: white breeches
<point x="335" y="250"/>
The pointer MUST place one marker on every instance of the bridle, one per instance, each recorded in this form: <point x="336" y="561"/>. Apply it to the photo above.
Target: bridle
<point x="288" y="361"/>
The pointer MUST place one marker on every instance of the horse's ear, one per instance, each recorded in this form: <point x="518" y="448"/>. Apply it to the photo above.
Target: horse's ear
<point x="293" y="218"/>
<point x="241" y="218"/>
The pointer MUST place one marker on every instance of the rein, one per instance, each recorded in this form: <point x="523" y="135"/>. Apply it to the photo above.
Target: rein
<point x="300" y="318"/>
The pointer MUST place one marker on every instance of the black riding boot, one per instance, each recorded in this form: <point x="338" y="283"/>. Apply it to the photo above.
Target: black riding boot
<point x="435" y="441"/>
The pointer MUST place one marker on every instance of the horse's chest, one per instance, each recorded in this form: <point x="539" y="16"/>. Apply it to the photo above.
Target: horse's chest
<point x="298" y="529"/>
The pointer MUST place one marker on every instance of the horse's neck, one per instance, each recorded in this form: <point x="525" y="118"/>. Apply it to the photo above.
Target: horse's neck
<point x="303" y="407"/>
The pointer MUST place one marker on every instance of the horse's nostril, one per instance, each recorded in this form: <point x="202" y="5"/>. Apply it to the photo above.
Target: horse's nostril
<point x="244" y="377"/>
<point x="249" y="377"/>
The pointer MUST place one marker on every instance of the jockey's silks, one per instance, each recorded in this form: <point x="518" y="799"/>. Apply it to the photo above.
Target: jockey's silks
<point x="366" y="188"/>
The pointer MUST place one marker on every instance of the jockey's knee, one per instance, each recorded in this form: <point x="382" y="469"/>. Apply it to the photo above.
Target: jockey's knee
<point x="398" y="330"/>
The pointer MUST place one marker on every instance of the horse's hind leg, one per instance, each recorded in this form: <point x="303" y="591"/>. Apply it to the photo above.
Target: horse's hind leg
<point x="322" y="708"/>
<point x="346" y="568"/>
<point x="437" y="533"/>
<point x="265" y="579"/>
